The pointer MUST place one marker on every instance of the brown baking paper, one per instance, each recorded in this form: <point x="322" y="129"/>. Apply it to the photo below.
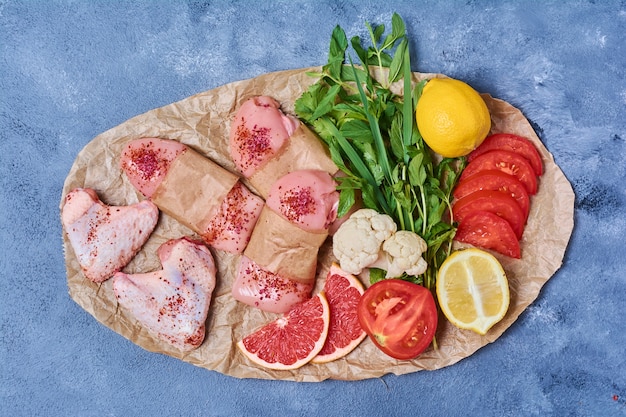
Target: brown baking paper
<point x="203" y="122"/>
<point x="281" y="247"/>
<point x="193" y="190"/>
<point x="303" y="150"/>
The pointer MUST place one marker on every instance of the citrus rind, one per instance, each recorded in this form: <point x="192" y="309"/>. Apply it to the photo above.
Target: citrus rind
<point x="452" y="117"/>
<point x="473" y="290"/>
<point x="278" y="343"/>
<point x="355" y="283"/>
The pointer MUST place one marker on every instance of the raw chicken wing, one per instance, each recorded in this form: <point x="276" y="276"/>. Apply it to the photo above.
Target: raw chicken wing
<point x="172" y="303"/>
<point x="105" y="238"/>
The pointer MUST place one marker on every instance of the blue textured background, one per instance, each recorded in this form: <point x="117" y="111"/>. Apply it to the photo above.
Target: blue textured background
<point x="70" y="70"/>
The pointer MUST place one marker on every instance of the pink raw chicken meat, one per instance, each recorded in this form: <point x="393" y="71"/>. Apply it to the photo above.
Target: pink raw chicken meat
<point x="308" y="199"/>
<point x="105" y="238"/>
<point x="269" y="292"/>
<point x="172" y="303"/>
<point x="258" y="132"/>
<point x="147" y="162"/>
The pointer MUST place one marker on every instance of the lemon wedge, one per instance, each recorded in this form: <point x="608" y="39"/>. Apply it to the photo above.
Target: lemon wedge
<point x="473" y="290"/>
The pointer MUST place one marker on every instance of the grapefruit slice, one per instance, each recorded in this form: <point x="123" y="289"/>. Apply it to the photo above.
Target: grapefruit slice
<point x="343" y="291"/>
<point x="292" y="340"/>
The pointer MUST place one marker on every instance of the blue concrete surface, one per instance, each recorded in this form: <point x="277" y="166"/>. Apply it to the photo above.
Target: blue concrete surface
<point x="70" y="70"/>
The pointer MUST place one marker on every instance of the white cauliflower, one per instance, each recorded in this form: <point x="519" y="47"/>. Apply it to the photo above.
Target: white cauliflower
<point x="369" y="239"/>
<point x="402" y="252"/>
<point x="357" y="243"/>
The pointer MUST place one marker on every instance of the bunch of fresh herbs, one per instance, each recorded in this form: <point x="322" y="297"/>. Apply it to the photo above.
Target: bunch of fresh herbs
<point x="373" y="138"/>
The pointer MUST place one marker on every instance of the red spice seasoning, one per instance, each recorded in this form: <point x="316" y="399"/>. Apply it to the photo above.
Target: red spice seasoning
<point x="145" y="161"/>
<point x="270" y="286"/>
<point x="254" y="145"/>
<point x="232" y="218"/>
<point x="297" y="203"/>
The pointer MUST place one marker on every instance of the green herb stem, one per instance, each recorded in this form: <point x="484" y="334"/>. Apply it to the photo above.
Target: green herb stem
<point x="373" y="137"/>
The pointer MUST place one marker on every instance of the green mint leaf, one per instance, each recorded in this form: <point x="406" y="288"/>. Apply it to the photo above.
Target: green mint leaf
<point x="368" y="195"/>
<point x="417" y="172"/>
<point x="376" y="275"/>
<point x="350" y="111"/>
<point x="360" y="51"/>
<point x="436" y="211"/>
<point x="346" y="201"/>
<point x="395" y="138"/>
<point x="378" y="32"/>
<point x="398" y="28"/>
<point x="347" y="74"/>
<point x="417" y="91"/>
<point x="400" y="195"/>
<point x="396" y="66"/>
<point x="357" y="130"/>
<point x="338" y="44"/>
<point x="337" y="53"/>
<point x="326" y="103"/>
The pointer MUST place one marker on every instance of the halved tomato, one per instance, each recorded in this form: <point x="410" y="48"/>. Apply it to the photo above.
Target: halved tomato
<point x="495" y="202"/>
<point x="495" y="180"/>
<point x="399" y="316"/>
<point x="513" y="143"/>
<point x="488" y="231"/>
<point x="506" y="161"/>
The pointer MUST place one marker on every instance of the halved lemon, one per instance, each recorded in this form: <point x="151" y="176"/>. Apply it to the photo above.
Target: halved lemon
<point x="473" y="290"/>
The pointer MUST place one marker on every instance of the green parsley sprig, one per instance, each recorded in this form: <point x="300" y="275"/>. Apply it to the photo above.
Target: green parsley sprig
<point x="372" y="136"/>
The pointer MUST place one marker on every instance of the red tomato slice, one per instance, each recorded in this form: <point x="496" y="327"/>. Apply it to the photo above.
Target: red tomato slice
<point x="513" y="143"/>
<point x="399" y="316"/>
<point x="488" y="231"/>
<point x="494" y="202"/>
<point x="495" y="180"/>
<point x="506" y="161"/>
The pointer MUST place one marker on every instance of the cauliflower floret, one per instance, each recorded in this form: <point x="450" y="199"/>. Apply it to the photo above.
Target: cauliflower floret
<point x="403" y="253"/>
<point x="357" y="242"/>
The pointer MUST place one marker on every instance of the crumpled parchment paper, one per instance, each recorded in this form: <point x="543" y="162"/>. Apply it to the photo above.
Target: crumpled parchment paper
<point x="203" y="122"/>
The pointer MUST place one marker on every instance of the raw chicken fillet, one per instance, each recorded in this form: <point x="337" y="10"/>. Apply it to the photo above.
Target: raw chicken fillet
<point x="259" y="130"/>
<point x="307" y="200"/>
<point x="194" y="190"/>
